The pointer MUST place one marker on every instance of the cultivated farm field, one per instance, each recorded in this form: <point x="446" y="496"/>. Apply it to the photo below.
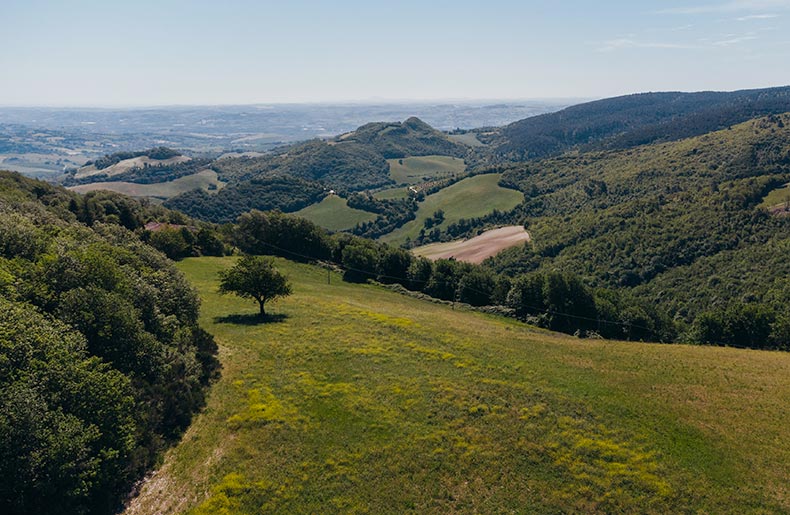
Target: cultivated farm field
<point x="47" y="166"/>
<point x="334" y="214"/>
<point x="469" y="139"/>
<point x="477" y="249"/>
<point x="392" y="193"/>
<point x="355" y="399"/>
<point x="414" y="170"/>
<point x="163" y="190"/>
<point x="128" y="164"/>
<point x="469" y="198"/>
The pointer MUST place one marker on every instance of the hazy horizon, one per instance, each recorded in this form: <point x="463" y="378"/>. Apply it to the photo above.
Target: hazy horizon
<point x="373" y="101"/>
<point x="242" y="52"/>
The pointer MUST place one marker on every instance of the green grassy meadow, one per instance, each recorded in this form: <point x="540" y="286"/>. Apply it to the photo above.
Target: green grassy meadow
<point x="414" y="170"/>
<point x="392" y="193"/>
<point x="777" y="196"/>
<point x="469" y="198"/>
<point x="355" y="399"/>
<point x="164" y="190"/>
<point x="334" y="214"/>
<point x="469" y="139"/>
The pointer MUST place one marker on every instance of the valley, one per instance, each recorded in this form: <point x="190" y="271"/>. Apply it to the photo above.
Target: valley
<point x="414" y="258"/>
<point x="452" y="342"/>
<point x="43" y="141"/>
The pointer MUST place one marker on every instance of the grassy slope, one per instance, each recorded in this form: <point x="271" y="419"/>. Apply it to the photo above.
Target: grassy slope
<point x="366" y="401"/>
<point x="334" y="214"/>
<point x="128" y="164"/>
<point x="469" y="139"/>
<point x="777" y="196"/>
<point x="168" y="189"/>
<point x="415" y="169"/>
<point x="392" y="193"/>
<point x="472" y="197"/>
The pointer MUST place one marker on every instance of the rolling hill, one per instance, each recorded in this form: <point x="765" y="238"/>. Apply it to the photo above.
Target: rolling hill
<point x="355" y="399"/>
<point x="265" y="193"/>
<point x="412" y="137"/>
<point x="125" y="165"/>
<point x="471" y="197"/>
<point x="629" y="121"/>
<point x="333" y="214"/>
<point x="203" y="180"/>
<point x="351" y="163"/>
<point x="355" y="161"/>
<point x="653" y="217"/>
<point x="645" y="218"/>
<point x="414" y="170"/>
<point x="289" y="178"/>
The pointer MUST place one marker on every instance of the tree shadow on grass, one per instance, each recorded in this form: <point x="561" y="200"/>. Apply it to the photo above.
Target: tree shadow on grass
<point x="251" y="319"/>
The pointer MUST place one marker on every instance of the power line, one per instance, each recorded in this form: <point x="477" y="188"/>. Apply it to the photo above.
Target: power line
<point x="408" y="280"/>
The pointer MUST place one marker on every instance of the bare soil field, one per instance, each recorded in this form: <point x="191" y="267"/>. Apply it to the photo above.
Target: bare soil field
<point x="477" y="249"/>
<point x="128" y="164"/>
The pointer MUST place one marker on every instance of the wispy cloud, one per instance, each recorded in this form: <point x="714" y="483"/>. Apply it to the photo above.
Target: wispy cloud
<point x="734" y="40"/>
<point x="632" y="41"/>
<point x="622" y="43"/>
<point x="757" y="17"/>
<point x="728" y="7"/>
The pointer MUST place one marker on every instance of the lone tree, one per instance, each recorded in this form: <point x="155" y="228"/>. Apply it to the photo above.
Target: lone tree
<point x="255" y="277"/>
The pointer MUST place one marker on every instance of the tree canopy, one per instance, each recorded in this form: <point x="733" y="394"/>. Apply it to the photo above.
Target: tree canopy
<point x="102" y="363"/>
<point x="255" y="277"/>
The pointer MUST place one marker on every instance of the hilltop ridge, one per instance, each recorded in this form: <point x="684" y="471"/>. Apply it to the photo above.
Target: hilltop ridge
<point x="632" y="120"/>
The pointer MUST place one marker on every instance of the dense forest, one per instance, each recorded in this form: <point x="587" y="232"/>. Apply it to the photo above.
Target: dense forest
<point x="103" y="361"/>
<point x="629" y="121"/>
<point x="392" y="213"/>
<point x="550" y="297"/>
<point x="338" y="164"/>
<point x="264" y="193"/>
<point x="627" y="218"/>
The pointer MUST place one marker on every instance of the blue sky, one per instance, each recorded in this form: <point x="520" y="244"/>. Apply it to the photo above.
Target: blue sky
<point x="157" y="52"/>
